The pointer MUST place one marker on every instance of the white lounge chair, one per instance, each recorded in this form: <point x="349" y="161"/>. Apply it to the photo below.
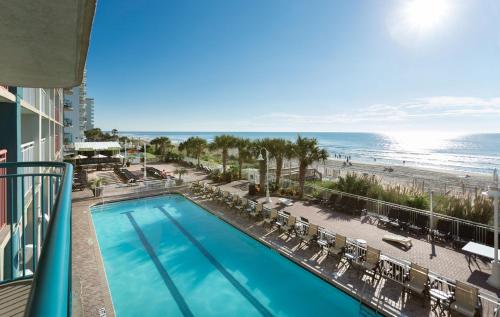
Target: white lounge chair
<point x="398" y="239"/>
<point x="285" y="202"/>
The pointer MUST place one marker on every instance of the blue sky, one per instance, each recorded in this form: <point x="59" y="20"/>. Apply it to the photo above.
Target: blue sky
<point x="283" y="65"/>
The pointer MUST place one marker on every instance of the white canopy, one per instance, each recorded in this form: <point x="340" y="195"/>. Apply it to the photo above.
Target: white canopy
<point x="118" y="156"/>
<point x="99" y="156"/>
<point x="97" y="146"/>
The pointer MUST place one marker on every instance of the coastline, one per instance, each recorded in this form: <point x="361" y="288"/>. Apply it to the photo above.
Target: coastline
<point x="440" y="181"/>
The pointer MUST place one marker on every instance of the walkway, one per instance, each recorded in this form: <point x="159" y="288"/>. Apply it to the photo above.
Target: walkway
<point x="437" y="258"/>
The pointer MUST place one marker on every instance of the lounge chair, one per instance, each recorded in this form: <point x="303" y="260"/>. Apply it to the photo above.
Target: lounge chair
<point x="466" y="301"/>
<point x="285" y="202"/>
<point x="273" y="215"/>
<point x="257" y="212"/>
<point x="322" y="241"/>
<point x="234" y="201"/>
<point x="338" y="248"/>
<point x="310" y="235"/>
<point x="406" y="242"/>
<point x="418" y="280"/>
<point x="372" y="261"/>
<point x="242" y="205"/>
<point x="289" y="226"/>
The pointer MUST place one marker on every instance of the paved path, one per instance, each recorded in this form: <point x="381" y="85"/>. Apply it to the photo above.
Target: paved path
<point x="438" y="258"/>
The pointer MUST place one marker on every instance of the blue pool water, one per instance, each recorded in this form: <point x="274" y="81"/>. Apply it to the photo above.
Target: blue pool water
<point x="166" y="256"/>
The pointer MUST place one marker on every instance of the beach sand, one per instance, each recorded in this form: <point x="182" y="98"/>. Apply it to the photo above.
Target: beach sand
<point x="439" y="181"/>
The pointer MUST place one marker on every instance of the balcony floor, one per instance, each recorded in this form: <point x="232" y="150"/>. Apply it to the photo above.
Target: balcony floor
<point x="14" y="297"/>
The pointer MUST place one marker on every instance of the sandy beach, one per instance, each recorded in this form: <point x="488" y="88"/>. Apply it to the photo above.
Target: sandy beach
<point x="439" y="181"/>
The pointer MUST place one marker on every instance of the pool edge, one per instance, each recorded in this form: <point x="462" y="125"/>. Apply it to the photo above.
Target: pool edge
<point x="184" y="194"/>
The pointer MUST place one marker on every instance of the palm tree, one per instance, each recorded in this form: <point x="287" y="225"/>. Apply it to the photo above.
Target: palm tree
<point x="181" y="171"/>
<point x="307" y="151"/>
<point x="277" y="149"/>
<point x="258" y="148"/>
<point x="114" y="134"/>
<point x="223" y="142"/>
<point x="289" y="155"/>
<point x="194" y="146"/>
<point x="244" y="153"/>
<point x="162" y="144"/>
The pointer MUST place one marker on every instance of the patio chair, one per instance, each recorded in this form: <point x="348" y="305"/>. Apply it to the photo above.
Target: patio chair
<point x="257" y="212"/>
<point x="310" y="235"/>
<point x="230" y="198"/>
<point x="466" y="299"/>
<point x="371" y="261"/>
<point x="242" y="205"/>
<point x="271" y="219"/>
<point x="234" y="201"/>
<point x="418" y="281"/>
<point x="338" y="247"/>
<point x="222" y="197"/>
<point x="443" y="230"/>
<point x="216" y="194"/>
<point x="466" y="234"/>
<point x="403" y="218"/>
<point x="421" y="225"/>
<point x="289" y="226"/>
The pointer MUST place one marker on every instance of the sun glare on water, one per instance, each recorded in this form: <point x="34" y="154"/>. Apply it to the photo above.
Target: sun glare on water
<point x="420" y="141"/>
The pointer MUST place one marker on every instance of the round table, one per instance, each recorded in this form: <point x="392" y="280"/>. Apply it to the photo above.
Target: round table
<point x="442" y="300"/>
<point x="361" y="242"/>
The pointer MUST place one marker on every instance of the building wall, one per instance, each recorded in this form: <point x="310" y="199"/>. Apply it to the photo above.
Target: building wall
<point x="72" y="118"/>
<point x="90" y="113"/>
<point x="31" y="127"/>
<point x="78" y="114"/>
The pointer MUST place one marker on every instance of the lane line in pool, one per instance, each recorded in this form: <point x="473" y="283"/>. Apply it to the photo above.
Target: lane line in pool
<point x="164" y="274"/>
<point x="261" y="308"/>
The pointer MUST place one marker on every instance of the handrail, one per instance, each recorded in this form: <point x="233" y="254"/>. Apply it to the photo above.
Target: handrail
<point x="52" y="280"/>
<point x="50" y="293"/>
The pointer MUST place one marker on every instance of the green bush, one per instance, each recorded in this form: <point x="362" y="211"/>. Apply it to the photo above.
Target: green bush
<point x="475" y="208"/>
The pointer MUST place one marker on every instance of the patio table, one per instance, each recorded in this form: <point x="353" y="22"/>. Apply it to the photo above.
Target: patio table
<point x="442" y="300"/>
<point x="474" y="249"/>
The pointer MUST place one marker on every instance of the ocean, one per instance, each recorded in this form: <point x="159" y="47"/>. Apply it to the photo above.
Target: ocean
<point x="473" y="153"/>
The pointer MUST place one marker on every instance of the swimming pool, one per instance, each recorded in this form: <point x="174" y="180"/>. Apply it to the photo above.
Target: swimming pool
<point x="167" y="256"/>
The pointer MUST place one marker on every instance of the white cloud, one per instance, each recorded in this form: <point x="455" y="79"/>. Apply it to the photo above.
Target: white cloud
<point x="445" y="108"/>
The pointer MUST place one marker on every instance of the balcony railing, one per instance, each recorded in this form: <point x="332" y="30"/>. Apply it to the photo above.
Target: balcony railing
<point x="40" y="235"/>
<point x="3" y="191"/>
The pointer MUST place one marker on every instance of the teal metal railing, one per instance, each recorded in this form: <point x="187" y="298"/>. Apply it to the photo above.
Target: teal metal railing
<point x="39" y="233"/>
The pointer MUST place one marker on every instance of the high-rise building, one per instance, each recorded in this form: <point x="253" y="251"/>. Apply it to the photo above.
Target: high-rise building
<point x="90" y="113"/>
<point x="78" y="113"/>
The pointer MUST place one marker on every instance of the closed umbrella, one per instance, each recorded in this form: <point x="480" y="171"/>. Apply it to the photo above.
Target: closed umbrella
<point x="119" y="156"/>
<point x="99" y="157"/>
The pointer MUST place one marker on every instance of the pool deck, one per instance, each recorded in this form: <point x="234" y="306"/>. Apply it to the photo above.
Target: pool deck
<point x="91" y="295"/>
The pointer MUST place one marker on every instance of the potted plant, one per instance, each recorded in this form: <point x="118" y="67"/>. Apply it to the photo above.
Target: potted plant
<point x="96" y="186"/>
